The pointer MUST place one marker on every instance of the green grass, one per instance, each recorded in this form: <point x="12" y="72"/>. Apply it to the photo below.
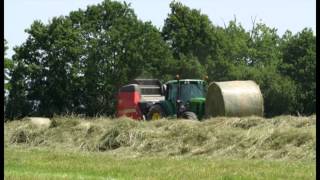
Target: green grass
<point x="32" y="163"/>
<point x="223" y="148"/>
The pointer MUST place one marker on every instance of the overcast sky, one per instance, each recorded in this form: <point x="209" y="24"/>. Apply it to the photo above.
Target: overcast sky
<point x="293" y="15"/>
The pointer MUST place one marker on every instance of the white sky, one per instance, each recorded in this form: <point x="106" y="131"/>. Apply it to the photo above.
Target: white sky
<point x="293" y="15"/>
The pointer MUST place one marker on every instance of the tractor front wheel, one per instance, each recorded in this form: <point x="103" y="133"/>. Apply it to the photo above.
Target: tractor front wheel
<point x="189" y="115"/>
<point x="156" y="112"/>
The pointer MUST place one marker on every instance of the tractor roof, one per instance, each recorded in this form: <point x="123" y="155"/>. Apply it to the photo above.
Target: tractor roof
<point x="184" y="80"/>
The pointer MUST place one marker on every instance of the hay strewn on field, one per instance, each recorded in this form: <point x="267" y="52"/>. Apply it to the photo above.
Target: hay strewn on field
<point x="283" y="137"/>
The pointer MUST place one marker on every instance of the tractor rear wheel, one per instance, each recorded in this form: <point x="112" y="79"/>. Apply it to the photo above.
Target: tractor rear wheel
<point x="156" y="112"/>
<point x="189" y="115"/>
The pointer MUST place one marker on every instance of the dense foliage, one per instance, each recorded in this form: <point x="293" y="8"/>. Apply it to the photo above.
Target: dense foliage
<point x="8" y="64"/>
<point x="76" y="63"/>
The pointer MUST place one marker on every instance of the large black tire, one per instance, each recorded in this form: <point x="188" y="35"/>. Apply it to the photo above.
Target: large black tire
<point x="189" y="115"/>
<point x="155" y="112"/>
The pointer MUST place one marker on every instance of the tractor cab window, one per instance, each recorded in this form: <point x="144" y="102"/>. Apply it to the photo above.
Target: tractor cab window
<point x="188" y="90"/>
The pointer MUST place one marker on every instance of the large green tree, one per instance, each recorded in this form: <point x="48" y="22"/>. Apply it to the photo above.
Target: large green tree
<point x="76" y="63"/>
<point x="233" y="53"/>
<point x="229" y="60"/>
<point x="188" y="32"/>
<point x="299" y="63"/>
<point x="8" y="65"/>
<point x="18" y="105"/>
<point x="264" y="58"/>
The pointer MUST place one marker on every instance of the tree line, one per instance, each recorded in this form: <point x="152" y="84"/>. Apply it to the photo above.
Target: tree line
<point x="76" y="63"/>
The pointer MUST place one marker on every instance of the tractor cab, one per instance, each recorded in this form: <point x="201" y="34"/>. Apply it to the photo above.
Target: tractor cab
<point x="189" y="88"/>
<point x="187" y="97"/>
<point x="184" y="98"/>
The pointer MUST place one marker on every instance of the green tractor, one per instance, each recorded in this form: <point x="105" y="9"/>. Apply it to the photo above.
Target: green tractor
<point x="184" y="98"/>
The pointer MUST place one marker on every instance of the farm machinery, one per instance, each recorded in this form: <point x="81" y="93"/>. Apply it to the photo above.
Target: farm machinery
<point x="196" y="99"/>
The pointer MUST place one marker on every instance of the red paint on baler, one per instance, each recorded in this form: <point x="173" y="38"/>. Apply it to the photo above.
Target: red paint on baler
<point x="128" y="105"/>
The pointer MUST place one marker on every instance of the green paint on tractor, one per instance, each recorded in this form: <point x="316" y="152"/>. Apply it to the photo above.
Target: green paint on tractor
<point x="192" y="94"/>
<point x="197" y="105"/>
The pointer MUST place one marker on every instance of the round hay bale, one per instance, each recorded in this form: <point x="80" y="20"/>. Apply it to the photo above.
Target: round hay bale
<point x="234" y="99"/>
<point x="40" y="121"/>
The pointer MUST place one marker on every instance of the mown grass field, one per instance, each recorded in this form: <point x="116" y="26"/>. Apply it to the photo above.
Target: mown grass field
<point x="219" y="148"/>
<point x="47" y="164"/>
